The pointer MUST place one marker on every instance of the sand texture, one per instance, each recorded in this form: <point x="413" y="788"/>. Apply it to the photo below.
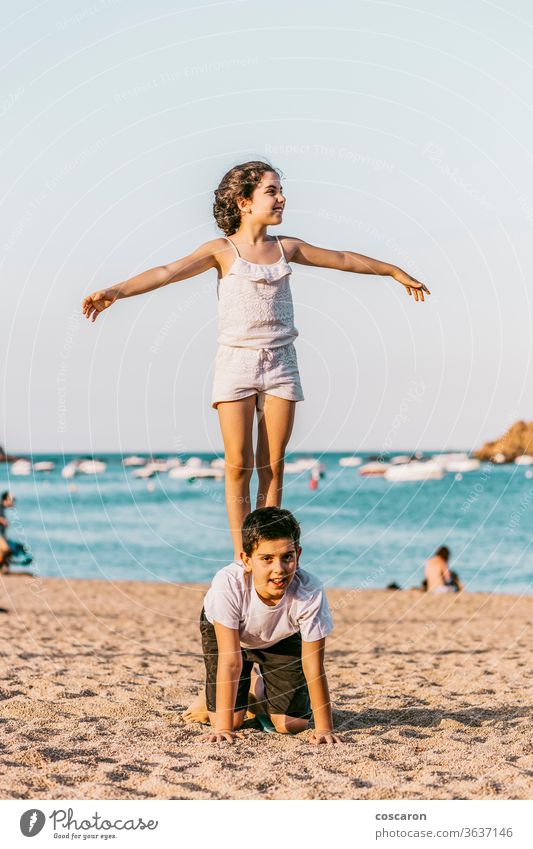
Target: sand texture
<point x="433" y="694"/>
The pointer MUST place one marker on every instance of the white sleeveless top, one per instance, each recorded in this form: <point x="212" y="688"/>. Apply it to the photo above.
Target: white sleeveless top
<point x="255" y="308"/>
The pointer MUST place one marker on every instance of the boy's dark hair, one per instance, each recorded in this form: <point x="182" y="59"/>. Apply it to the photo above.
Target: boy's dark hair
<point x="268" y="523"/>
<point x="239" y="181"/>
<point x="443" y="552"/>
<point x="4" y="495"/>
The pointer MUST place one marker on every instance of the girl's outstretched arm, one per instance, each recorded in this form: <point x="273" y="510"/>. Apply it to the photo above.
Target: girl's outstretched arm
<point x="202" y="259"/>
<point x="306" y="254"/>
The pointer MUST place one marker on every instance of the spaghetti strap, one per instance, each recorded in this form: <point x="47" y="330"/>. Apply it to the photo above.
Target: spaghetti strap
<point x="281" y="249"/>
<point x="234" y="246"/>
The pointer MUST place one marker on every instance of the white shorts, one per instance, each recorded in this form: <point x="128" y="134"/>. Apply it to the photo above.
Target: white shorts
<point x="241" y="372"/>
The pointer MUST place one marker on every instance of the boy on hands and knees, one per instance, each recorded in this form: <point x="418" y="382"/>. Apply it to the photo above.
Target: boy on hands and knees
<point x="268" y="611"/>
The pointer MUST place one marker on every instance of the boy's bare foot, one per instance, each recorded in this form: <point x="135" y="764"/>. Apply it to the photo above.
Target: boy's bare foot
<point x="197" y="710"/>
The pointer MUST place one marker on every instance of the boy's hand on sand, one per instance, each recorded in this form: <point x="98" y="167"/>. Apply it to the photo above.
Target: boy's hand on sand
<point x="96" y="303"/>
<point x="327" y="737"/>
<point x="221" y="737"/>
<point x="413" y="287"/>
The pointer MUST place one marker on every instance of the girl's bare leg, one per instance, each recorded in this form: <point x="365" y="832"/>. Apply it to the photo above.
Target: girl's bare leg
<point x="274" y="429"/>
<point x="236" y="423"/>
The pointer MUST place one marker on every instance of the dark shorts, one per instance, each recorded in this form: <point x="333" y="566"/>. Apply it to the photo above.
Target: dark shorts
<point x="281" y="667"/>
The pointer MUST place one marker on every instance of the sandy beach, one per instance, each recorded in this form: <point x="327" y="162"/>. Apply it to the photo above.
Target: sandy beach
<point x="434" y="696"/>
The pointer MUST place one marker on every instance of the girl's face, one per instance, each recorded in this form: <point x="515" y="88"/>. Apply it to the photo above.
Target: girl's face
<point x="267" y="202"/>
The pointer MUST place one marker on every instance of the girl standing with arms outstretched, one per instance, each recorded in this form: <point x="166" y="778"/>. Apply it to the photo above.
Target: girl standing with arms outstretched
<point x="256" y="366"/>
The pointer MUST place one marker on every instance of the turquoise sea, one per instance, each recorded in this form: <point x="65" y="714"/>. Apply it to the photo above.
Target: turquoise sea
<point x="357" y="532"/>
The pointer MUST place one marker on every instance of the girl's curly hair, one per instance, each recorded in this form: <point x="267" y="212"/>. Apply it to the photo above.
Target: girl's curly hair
<point x="239" y="181"/>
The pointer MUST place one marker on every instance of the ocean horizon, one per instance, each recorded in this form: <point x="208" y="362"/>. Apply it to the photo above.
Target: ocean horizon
<point x="357" y="532"/>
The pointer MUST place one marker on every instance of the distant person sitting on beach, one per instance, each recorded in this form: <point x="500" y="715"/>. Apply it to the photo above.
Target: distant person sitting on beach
<point x="264" y="609"/>
<point x="6" y="501"/>
<point x="438" y="578"/>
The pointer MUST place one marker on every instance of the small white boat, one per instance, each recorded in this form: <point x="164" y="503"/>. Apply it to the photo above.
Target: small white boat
<point x="158" y="465"/>
<point x="151" y="468"/>
<point x="468" y="465"/>
<point x="350" y="462"/>
<point x="194" y="461"/>
<point x="21" y="467"/>
<point x="499" y="458"/>
<point x="375" y="469"/>
<point x="44" y="466"/>
<point x="191" y="472"/>
<point x="69" y="470"/>
<point x="524" y="460"/>
<point x="400" y="459"/>
<point x="304" y="464"/>
<point x="91" y="467"/>
<point x="457" y="461"/>
<point x="415" y="471"/>
<point x="208" y="472"/>
<point x="133" y="460"/>
<point x="449" y="457"/>
<point x="144" y="472"/>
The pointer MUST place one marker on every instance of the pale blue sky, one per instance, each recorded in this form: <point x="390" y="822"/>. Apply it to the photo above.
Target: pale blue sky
<point x="403" y="132"/>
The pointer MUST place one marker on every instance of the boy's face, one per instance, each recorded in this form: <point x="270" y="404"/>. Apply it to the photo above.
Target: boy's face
<point x="273" y="564"/>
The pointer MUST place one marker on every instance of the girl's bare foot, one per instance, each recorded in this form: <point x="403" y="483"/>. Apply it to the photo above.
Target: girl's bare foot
<point x="197" y="710"/>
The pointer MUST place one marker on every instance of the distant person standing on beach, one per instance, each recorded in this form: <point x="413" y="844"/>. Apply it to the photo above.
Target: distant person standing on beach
<point x="256" y="368"/>
<point x="437" y="575"/>
<point x="6" y="501"/>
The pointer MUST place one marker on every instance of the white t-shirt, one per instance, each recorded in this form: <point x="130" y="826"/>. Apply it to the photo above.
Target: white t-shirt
<point x="232" y="600"/>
